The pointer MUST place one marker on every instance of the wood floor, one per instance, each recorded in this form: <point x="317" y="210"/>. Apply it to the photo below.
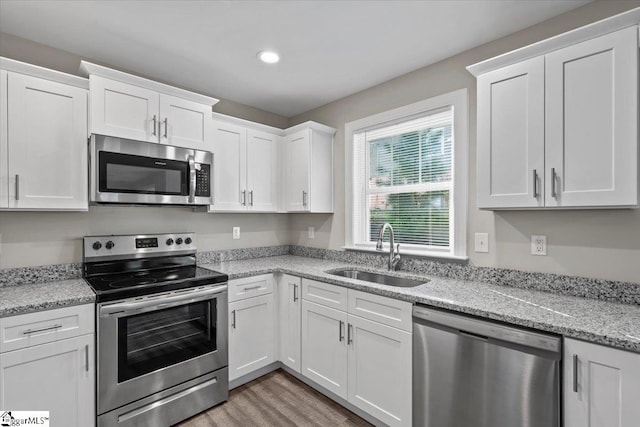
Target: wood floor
<point x="276" y="399"/>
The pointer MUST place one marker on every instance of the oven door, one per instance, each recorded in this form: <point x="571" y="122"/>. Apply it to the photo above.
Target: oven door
<point x="148" y="345"/>
<point x="135" y="172"/>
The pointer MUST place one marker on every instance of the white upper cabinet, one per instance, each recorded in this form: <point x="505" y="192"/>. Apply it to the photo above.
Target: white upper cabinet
<point x="127" y="106"/>
<point x="246" y="166"/>
<point x="561" y="129"/>
<point x="43" y="147"/>
<point x="511" y="136"/>
<point x="309" y="168"/>
<point x="601" y="386"/>
<point x="592" y="122"/>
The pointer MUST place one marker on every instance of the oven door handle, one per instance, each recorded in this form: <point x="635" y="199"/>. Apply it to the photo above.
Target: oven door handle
<point x="161" y="302"/>
<point x="192" y="179"/>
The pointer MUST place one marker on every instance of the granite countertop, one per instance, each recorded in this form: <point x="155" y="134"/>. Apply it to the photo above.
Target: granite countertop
<point x="602" y="322"/>
<point x="22" y="299"/>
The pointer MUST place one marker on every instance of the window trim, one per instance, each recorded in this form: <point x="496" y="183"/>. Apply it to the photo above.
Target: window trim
<point x="459" y="101"/>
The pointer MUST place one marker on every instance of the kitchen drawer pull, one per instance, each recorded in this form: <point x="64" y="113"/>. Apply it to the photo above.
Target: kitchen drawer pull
<point x="166" y="127"/>
<point x="349" y="333"/>
<point x="155" y="125"/>
<point x="17" y="187"/>
<point x="233" y="316"/>
<point x="575" y="373"/>
<point x="33" y="331"/>
<point x="535" y="184"/>
<point x="340" y="331"/>
<point x="553" y="183"/>
<point x="295" y="292"/>
<point x="249" y="288"/>
<point x="86" y="358"/>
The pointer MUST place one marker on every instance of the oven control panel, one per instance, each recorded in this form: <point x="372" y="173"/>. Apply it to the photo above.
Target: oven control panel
<point x="133" y="246"/>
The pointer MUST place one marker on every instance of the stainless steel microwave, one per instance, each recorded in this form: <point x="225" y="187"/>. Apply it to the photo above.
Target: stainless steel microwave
<point x="135" y="172"/>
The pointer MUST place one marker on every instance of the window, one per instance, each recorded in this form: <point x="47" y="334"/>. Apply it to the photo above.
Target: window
<point x="408" y="167"/>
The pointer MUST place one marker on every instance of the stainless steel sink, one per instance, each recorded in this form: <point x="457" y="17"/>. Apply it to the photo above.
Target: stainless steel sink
<point x="383" y="279"/>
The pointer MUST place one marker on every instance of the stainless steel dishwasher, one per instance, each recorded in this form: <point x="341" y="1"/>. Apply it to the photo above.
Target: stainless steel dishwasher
<point x="469" y="372"/>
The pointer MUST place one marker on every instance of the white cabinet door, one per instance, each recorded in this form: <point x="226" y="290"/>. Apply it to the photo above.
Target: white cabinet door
<point x="324" y="347"/>
<point x="289" y="307"/>
<point x="185" y="123"/>
<point x="592" y="122"/>
<point x="57" y="377"/>
<point x="251" y="335"/>
<point x="47" y="144"/>
<point x="510" y="154"/>
<point x="601" y="386"/>
<point x="123" y="110"/>
<point x="229" y="169"/>
<point x="298" y="149"/>
<point x="4" y="163"/>
<point x="262" y="171"/>
<point x="380" y="370"/>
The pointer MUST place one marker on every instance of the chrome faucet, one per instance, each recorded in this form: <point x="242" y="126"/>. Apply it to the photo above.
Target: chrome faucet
<point x="394" y="256"/>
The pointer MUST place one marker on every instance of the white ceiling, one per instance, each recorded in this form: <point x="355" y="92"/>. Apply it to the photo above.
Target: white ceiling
<point x="329" y="49"/>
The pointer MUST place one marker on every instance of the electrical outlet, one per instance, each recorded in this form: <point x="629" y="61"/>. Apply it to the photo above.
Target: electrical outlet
<point x="482" y="242"/>
<point x="236" y="233"/>
<point x="311" y="232"/>
<point x="538" y="245"/>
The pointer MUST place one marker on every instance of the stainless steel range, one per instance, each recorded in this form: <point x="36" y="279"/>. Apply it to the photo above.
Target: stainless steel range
<point x="161" y="329"/>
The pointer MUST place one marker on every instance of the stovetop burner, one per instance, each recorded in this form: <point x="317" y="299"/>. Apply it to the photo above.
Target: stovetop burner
<point x="142" y="269"/>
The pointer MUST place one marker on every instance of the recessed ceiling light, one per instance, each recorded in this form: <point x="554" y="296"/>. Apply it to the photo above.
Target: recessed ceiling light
<point x="268" y="56"/>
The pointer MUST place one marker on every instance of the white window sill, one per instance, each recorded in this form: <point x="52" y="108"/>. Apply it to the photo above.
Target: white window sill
<point x="412" y="253"/>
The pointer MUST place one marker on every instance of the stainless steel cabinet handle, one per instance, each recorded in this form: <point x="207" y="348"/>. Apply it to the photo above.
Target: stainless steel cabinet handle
<point x="166" y="127"/>
<point x="575" y="373"/>
<point x="244" y="197"/>
<point x="535" y="184"/>
<point x="304" y="198"/>
<point x="233" y="321"/>
<point x="349" y="333"/>
<point x="251" y="198"/>
<point x="553" y="183"/>
<point x="295" y="292"/>
<point x="248" y="288"/>
<point x="155" y="124"/>
<point x="86" y="358"/>
<point x="17" y="187"/>
<point x="341" y="331"/>
<point x="33" y="331"/>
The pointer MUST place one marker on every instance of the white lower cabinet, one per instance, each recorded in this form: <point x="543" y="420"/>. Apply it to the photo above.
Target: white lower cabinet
<point x="251" y="335"/>
<point x="289" y="318"/>
<point x="366" y="362"/>
<point x="601" y="386"/>
<point x="56" y="375"/>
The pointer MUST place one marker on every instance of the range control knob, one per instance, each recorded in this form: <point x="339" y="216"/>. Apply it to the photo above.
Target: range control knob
<point x="169" y="242"/>
<point x="179" y="241"/>
<point x="188" y="241"/>
<point x="97" y="246"/>
<point x="109" y="245"/>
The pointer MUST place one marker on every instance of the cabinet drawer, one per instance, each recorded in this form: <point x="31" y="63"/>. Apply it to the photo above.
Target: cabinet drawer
<point x="387" y="311"/>
<point x="324" y="294"/>
<point x="31" y="329"/>
<point x="248" y="287"/>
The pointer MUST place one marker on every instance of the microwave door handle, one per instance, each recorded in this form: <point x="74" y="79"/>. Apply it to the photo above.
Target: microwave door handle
<point x="192" y="179"/>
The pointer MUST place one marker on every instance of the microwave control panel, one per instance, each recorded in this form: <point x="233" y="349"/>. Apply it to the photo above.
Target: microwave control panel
<point x="203" y="180"/>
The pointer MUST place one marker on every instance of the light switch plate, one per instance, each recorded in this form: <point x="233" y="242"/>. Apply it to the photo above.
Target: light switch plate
<point x="311" y="232"/>
<point x="482" y="242"/>
<point x="236" y="233"/>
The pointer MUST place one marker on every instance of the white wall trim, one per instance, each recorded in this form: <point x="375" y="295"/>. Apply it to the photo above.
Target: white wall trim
<point x="459" y="100"/>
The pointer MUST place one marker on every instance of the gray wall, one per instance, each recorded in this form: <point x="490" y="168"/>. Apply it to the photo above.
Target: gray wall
<point x="594" y="243"/>
<point x="38" y="238"/>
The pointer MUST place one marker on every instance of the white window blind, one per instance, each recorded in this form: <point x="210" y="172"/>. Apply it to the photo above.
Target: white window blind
<point x="403" y="175"/>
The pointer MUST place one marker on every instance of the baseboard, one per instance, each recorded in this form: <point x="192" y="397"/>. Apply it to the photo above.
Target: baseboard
<point x="254" y="375"/>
